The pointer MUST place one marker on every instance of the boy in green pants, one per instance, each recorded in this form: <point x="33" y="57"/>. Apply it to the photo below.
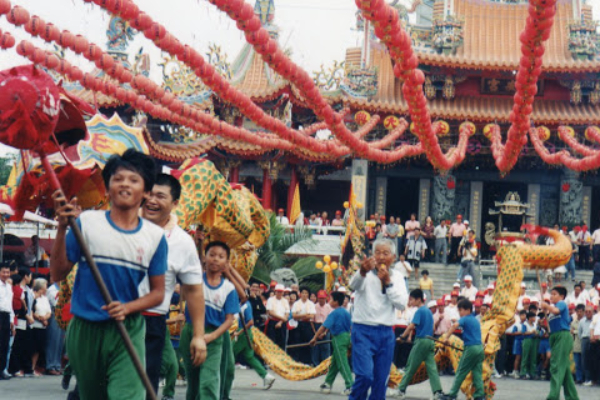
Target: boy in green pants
<point x="423" y="349"/>
<point x="243" y="349"/>
<point x="222" y="303"/>
<point x="561" y="344"/>
<point x="472" y="357"/>
<point x="529" y="358"/>
<point x="127" y="250"/>
<point x="338" y="322"/>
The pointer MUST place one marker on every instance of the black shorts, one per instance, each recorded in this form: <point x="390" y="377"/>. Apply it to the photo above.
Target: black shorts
<point x="414" y="263"/>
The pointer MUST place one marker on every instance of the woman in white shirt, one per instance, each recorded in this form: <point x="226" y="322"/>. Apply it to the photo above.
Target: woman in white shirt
<point x="41" y="314"/>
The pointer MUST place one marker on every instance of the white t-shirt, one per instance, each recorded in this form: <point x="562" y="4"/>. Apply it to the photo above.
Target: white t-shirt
<point x="451" y="312"/>
<point x="469" y="293"/>
<point x="42" y="307"/>
<point x="279" y="307"/>
<point x="183" y="264"/>
<point x="403" y="268"/>
<point x="304" y="308"/>
<point x="283" y="220"/>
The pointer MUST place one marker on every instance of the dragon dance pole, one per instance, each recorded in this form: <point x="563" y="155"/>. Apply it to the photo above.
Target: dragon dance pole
<point x="139" y="367"/>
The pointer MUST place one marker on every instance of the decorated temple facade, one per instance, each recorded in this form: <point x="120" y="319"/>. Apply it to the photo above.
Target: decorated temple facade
<point x="469" y="51"/>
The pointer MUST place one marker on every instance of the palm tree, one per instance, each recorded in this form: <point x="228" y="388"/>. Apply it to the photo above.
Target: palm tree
<point x="271" y="255"/>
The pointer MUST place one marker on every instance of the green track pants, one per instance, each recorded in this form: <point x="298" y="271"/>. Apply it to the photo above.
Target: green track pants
<point x="100" y="361"/>
<point x="241" y="348"/>
<point x="169" y="367"/>
<point x="422" y="352"/>
<point x="529" y="357"/>
<point x="339" y="360"/>
<point x="561" y="344"/>
<point x="203" y="382"/>
<point x="471" y="361"/>
<point x="227" y="367"/>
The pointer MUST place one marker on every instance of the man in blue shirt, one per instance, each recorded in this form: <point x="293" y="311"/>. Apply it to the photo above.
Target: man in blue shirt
<point x="423" y="349"/>
<point x="561" y="344"/>
<point x="126" y="249"/>
<point x="338" y="323"/>
<point x="472" y="357"/>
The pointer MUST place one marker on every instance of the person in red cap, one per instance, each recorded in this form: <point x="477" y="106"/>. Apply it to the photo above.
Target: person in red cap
<point x="337" y="221"/>
<point x="323" y="309"/>
<point x="281" y="218"/>
<point x="456" y="232"/>
<point x="278" y="310"/>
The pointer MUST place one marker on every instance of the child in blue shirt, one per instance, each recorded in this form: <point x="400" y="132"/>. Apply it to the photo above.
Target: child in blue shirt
<point x="529" y="360"/>
<point x="222" y="303"/>
<point x="338" y="322"/>
<point x="472" y="357"/>
<point x="517" y="331"/>
<point x="561" y="344"/>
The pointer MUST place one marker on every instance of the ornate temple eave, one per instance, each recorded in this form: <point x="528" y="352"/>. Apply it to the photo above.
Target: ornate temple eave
<point x="480" y="109"/>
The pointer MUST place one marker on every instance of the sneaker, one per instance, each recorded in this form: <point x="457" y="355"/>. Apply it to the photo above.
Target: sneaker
<point x="240" y="366"/>
<point x="587" y="383"/>
<point x="401" y="395"/>
<point x="391" y="392"/>
<point x="438" y="395"/>
<point x="268" y="381"/>
<point x="162" y="382"/>
<point x="448" y="397"/>
<point x="346" y="392"/>
<point x="325" y="388"/>
<point x="66" y="379"/>
<point x="18" y="374"/>
<point x="515" y="374"/>
<point x="497" y="376"/>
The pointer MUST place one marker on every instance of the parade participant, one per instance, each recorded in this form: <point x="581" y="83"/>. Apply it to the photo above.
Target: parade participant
<point x="441" y="243"/>
<point x="561" y="344"/>
<point x="472" y="356"/>
<point x="543" y="333"/>
<point x="379" y="291"/>
<point x="183" y="266"/>
<point x="456" y="232"/>
<point x="281" y="218"/>
<point x="338" y="323"/>
<point x="517" y="331"/>
<point x="243" y="350"/>
<point x="415" y="250"/>
<point x="126" y="249"/>
<point x="423" y="349"/>
<point x="7" y="326"/>
<point x="469" y="291"/>
<point x="304" y="312"/>
<point x="529" y="352"/>
<point x="222" y="303"/>
<point x="278" y="310"/>
<point x="322" y="352"/>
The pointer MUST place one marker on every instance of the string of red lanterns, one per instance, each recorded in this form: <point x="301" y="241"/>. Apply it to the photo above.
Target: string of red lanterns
<point x="563" y="157"/>
<point x="573" y="143"/>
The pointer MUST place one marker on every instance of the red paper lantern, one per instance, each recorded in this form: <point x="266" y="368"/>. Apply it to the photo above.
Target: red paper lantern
<point x="93" y="52"/>
<point x="65" y="39"/>
<point x="141" y="22"/>
<point x="80" y="44"/>
<point x="75" y="74"/>
<point x="7" y="41"/>
<point x="4" y="6"/>
<point x="35" y="25"/>
<point x="566" y="187"/>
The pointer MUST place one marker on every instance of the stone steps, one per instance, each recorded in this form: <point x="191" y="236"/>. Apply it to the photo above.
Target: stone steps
<point x="444" y="277"/>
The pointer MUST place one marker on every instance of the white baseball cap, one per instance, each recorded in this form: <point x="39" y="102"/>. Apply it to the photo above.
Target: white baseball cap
<point x="456" y="284"/>
<point x="523" y="285"/>
<point x="491" y="286"/>
<point x="432" y="303"/>
<point x="466" y="222"/>
<point x="468" y="278"/>
<point x="279" y="288"/>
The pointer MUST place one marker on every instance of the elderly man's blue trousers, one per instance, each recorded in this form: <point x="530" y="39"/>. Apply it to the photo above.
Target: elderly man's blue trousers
<point x="372" y="355"/>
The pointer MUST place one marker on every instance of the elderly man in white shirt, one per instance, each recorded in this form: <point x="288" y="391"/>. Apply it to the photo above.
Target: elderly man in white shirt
<point x="379" y="292"/>
<point x="469" y="291"/>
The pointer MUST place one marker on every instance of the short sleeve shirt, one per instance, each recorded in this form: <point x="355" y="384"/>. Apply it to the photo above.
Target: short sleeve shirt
<point x="471" y="330"/>
<point x="560" y="321"/>
<point x="124" y="258"/>
<point x="423" y="320"/>
<point x="219" y="301"/>
<point x="338" y="321"/>
<point x="246" y="311"/>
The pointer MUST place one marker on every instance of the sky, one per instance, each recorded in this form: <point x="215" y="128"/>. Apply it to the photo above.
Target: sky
<point x="317" y="31"/>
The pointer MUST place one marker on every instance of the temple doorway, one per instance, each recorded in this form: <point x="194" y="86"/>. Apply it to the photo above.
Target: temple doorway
<point x="402" y="198"/>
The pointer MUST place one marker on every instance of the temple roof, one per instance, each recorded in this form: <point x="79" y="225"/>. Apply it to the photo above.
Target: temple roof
<point x="491" y="38"/>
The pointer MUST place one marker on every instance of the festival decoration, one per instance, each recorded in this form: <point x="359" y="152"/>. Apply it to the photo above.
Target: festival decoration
<point x="544" y="133"/>
<point x="470" y="126"/>
<point x="362" y="117"/>
<point x="444" y="128"/>
<point x="592" y="134"/>
<point x="391" y="122"/>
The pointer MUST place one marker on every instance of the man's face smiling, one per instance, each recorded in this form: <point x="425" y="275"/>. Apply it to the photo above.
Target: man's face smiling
<point x="126" y="189"/>
<point x="159" y="204"/>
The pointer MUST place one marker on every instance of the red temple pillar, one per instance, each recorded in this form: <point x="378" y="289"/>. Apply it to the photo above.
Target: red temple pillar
<point x="266" y="191"/>
<point x="234" y="175"/>
<point x="291" y="191"/>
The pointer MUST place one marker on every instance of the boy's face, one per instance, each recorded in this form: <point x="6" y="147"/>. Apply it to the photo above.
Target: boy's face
<point x="126" y="189"/>
<point x="522" y="317"/>
<point x="579" y="314"/>
<point x="531" y="320"/>
<point x="216" y="259"/>
<point x="555" y="297"/>
<point x="304" y="295"/>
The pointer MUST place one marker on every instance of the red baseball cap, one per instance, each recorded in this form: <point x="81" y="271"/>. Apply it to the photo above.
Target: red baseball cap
<point x="572" y="306"/>
<point x="459" y="216"/>
<point x="338" y="212"/>
<point x="478" y="303"/>
<point x="321" y="294"/>
<point x="273" y="283"/>
<point x="480" y="294"/>
<point x="440" y="302"/>
<point x="382" y="218"/>
<point x="280" y="210"/>
<point x="454" y="293"/>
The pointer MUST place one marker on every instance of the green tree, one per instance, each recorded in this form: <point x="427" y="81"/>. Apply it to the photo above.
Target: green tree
<point x="271" y="256"/>
<point x="6" y="165"/>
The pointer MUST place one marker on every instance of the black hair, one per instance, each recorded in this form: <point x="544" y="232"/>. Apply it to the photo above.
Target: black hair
<point x="24" y="272"/>
<point x="465" y="304"/>
<point x="171" y="182"/>
<point x="16" y="279"/>
<point x="303" y="288"/>
<point x="417" y="294"/>
<point x="577" y="285"/>
<point x="220" y="244"/>
<point x="131" y="160"/>
<point x="2" y="266"/>
<point x="541" y="315"/>
<point x="533" y="307"/>
<point x="560" y="290"/>
<point x="530" y="314"/>
<point x="580" y="307"/>
<point x="424" y="272"/>
<point x="338" y="297"/>
<point x="296" y="293"/>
